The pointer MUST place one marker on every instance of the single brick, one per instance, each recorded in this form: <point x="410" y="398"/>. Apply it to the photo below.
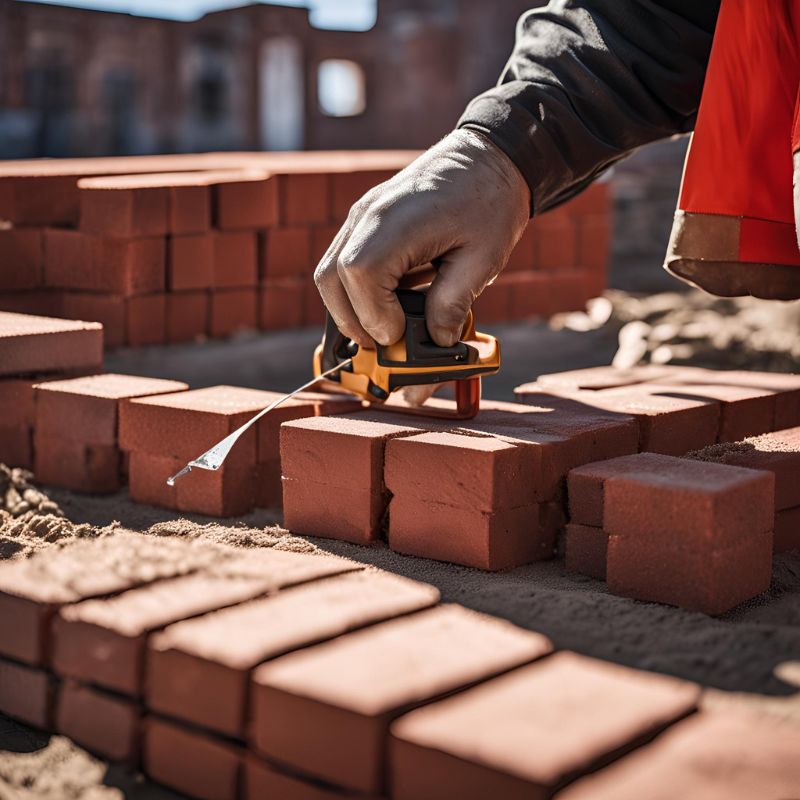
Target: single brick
<point x="304" y="198"/>
<point x="787" y="530"/>
<point x="16" y="446"/>
<point x="21" y="259"/>
<point x="600" y="377"/>
<point x="185" y="424"/>
<point x="31" y="591"/>
<point x="281" y="305"/>
<point x="190" y="762"/>
<point x="262" y="780"/>
<point x="585" y="484"/>
<point x="86" y="409"/>
<point x="744" y="411"/>
<point x="26" y="694"/>
<point x="17" y="399"/>
<point x="199" y="670"/>
<point x="104" y="723"/>
<point x="504" y="538"/>
<point x="147" y="479"/>
<point x="227" y="492"/>
<point x="103" y="641"/>
<point x="123" y="206"/>
<point x="586" y="550"/>
<point x="189" y="209"/>
<point x="235" y="263"/>
<point x="524" y="734"/>
<point x="188" y="316"/>
<point x="689" y="503"/>
<point x="248" y="203"/>
<point x="735" y="756"/>
<point x="777" y="452"/>
<point x="696" y="576"/>
<point x="190" y="261"/>
<point x="326" y="711"/>
<point x="468" y="472"/>
<point x="146" y="319"/>
<point x="233" y="310"/>
<point x="286" y="253"/>
<point x="108" y="310"/>
<point x="71" y="464"/>
<point x="30" y="344"/>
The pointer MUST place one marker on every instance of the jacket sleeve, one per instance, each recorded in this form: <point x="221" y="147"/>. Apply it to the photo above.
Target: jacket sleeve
<point x="591" y="80"/>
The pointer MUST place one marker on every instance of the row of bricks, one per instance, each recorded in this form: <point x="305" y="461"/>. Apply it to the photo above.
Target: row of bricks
<point x="326" y="712"/>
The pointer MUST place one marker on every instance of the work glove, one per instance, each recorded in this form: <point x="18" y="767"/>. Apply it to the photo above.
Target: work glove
<point x="461" y="205"/>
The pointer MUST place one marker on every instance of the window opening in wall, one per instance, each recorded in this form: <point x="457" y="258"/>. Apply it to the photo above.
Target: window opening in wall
<point x="341" y="88"/>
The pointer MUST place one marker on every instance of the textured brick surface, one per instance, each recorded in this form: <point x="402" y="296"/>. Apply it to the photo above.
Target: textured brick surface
<point x="71" y="464"/>
<point x="247" y="204"/>
<point x="191" y="262"/>
<point x="188" y="316"/>
<point x="586" y="550"/>
<point x="234" y="260"/>
<point x="524" y="734"/>
<point x="104" y="723"/>
<point x="147" y="479"/>
<point x="233" y="310"/>
<point x="21" y="259"/>
<point x="326" y="710"/>
<point x="304" y="198"/>
<point x="26" y="694"/>
<point x="30" y="344"/>
<point x="787" y="530"/>
<point x="199" y="669"/>
<point x="146" y="319"/>
<point x="286" y="252"/>
<point x="709" y="755"/>
<point x="604" y="377"/>
<point x="108" y="310"/>
<point x="123" y="206"/>
<point x="16" y="445"/>
<point x="86" y="409"/>
<point x="189" y="761"/>
<point x="281" y="305"/>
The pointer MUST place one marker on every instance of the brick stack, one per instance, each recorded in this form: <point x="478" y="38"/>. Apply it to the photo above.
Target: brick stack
<point x="228" y="675"/>
<point x="34" y="349"/>
<point x="172" y="248"/>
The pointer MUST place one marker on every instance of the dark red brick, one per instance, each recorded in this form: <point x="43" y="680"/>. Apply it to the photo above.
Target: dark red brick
<point x="326" y="711"/>
<point x="603" y="377"/>
<point x="228" y="492"/>
<point x="190" y="762"/>
<point x="263" y="780"/>
<point x="286" y="253"/>
<point x="123" y="206"/>
<point x="104" y="723"/>
<point x="191" y="262"/>
<point x="304" y="198"/>
<point x="108" y="310"/>
<point x="267" y="488"/>
<point x="21" y="259"/>
<point x="147" y="479"/>
<point x="188" y="316"/>
<point x="282" y="305"/>
<point x="248" y="203"/>
<point x="542" y="294"/>
<point x="26" y="694"/>
<point x="524" y="734"/>
<point x="235" y="261"/>
<point x="189" y="209"/>
<point x="594" y="241"/>
<point x="736" y="756"/>
<point x="556" y="241"/>
<point x="233" y="310"/>
<point x="71" y="464"/>
<point x="30" y="344"/>
<point x="199" y="672"/>
<point x="146" y="319"/>
<point x="16" y="446"/>
<point x="586" y="550"/>
<point x="787" y="530"/>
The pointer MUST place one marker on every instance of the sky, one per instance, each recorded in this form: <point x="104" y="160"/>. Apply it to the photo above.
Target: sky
<point x="341" y="14"/>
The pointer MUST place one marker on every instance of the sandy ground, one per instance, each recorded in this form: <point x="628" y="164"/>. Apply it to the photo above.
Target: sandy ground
<point x="750" y="656"/>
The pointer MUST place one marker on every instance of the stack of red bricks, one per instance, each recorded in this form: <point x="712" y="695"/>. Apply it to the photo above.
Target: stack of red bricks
<point x="226" y="675"/>
<point x="171" y="248"/>
<point x="32" y="350"/>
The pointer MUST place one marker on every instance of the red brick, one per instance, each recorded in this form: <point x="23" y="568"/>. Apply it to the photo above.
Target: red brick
<point x="189" y="761"/>
<point x="21" y="259"/>
<point x="524" y="734"/>
<point x="108" y="310"/>
<point x="282" y="305"/>
<point x="262" y="780"/>
<point x="507" y="537"/>
<point x="247" y="204"/>
<point x="32" y="590"/>
<point x="286" y="253"/>
<point x="689" y="503"/>
<point x="594" y="199"/>
<point x="326" y="710"/>
<point x="147" y="479"/>
<point x="30" y="344"/>
<point x="26" y="694"/>
<point x="103" y="641"/>
<point x="586" y="550"/>
<point x="28" y="201"/>
<point x="321" y="239"/>
<point x="556" y="242"/>
<point x="235" y="259"/>
<point x="602" y="377"/>
<point x="199" y="672"/>
<point x="191" y="261"/>
<point x="71" y="464"/>
<point x="523" y="257"/>
<point x="267" y="488"/>
<point x="184" y="425"/>
<point x="314" y="311"/>
<point x="146" y="319"/>
<point x="470" y="472"/>
<point x="233" y="310"/>
<point x="16" y="399"/>
<point x="304" y="198"/>
<point x="777" y="452"/>
<point x="585" y="484"/>
<point x="348" y="187"/>
<point x="540" y="294"/>
<point x="736" y="756"/>
<point x="787" y="530"/>
<point x="552" y="520"/>
<point x="189" y="209"/>
<point x="228" y="492"/>
<point x="494" y="303"/>
<point x="104" y="723"/>
<point x="44" y="302"/>
<point x="122" y="207"/>
<point x="16" y="446"/>
<point x="188" y="316"/>
<point x="86" y="409"/>
<point x="594" y="241"/>
<point x="744" y="411"/>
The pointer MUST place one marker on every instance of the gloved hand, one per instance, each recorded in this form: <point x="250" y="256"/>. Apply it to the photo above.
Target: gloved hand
<point x="462" y="203"/>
